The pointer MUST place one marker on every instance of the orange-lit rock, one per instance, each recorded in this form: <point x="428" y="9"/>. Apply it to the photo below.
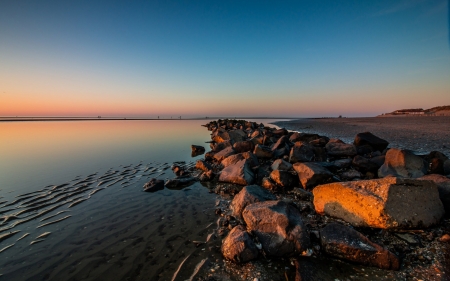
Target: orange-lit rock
<point x="238" y="246"/>
<point x="238" y="173"/>
<point x="382" y="203"/>
<point x="311" y="174"/>
<point x="402" y="163"/>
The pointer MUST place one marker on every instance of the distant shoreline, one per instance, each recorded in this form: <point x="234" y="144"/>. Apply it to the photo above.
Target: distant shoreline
<point x="18" y="119"/>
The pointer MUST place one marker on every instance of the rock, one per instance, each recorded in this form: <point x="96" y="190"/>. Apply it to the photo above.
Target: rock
<point x="320" y="153"/>
<point x="338" y="149"/>
<point x="224" y="153"/>
<point x="365" y="165"/>
<point x="198" y="149"/>
<point x="320" y="142"/>
<point x="346" y="243"/>
<point x="402" y="163"/>
<point x="302" y="194"/>
<point x="243" y="146"/>
<point x="368" y="138"/>
<point x="445" y="238"/>
<point x="238" y="246"/>
<point x="381" y="203"/>
<point x="364" y="149"/>
<point x="280" y="132"/>
<point x="443" y="185"/>
<point x="351" y="174"/>
<point x="220" y="136"/>
<point x="206" y="176"/>
<point x="262" y="151"/>
<point x="238" y="173"/>
<point x="301" y="152"/>
<point x="280" y="143"/>
<point x="270" y="185"/>
<point x="220" y="146"/>
<point x="203" y="165"/>
<point x="436" y="162"/>
<point x="311" y="174"/>
<point x="282" y="165"/>
<point x="249" y="195"/>
<point x="233" y="159"/>
<point x="337" y="164"/>
<point x="237" y="135"/>
<point x="180" y="182"/>
<point x="154" y="185"/>
<point x="446" y="167"/>
<point x="284" y="178"/>
<point x="257" y="140"/>
<point x="303" y="137"/>
<point x="278" y="227"/>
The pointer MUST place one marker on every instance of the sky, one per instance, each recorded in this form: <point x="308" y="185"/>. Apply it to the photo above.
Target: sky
<point x="222" y="58"/>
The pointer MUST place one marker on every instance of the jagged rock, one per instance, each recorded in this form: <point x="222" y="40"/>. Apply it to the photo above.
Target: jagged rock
<point x="203" y="165"/>
<point x="280" y="143"/>
<point x="206" y="176"/>
<point x="278" y="226"/>
<point x="402" y="163"/>
<point x="238" y="173"/>
<point x="233" y="159"/>
<point x="280" y="132"/>
<point x="338" y="149"/>
<point x="248" y="195"/>
<point x="243" y="146"/>
<point x="311" y="174"/>
<point x="262" y="151"/>
<point x="270" y="185"/>
<point x="436" y="162"/>
<point x="216" y="147"/>
<point x="224" y="153"/>
<point x="280" y="164"/>
<point x="301" y="152"/>
<point x="346" y="243"/>
<point x="238" y="246"/>
<point x="197" y="148"/>
<point x="351" y="174"/>
<point x="364" y="149"/>
<point x="154" y="185"/>
<point x="284" y="178"/>
<point x="443" y="185"/>
<point x="381" y="203"/>
<point x="257" y="140"/>
<point x="304" y="137"/>
<point x="220" y="135"/>
<point x="368" y="138"/>
<point x="363" y="164"/>
<point x="237" y="135"/>
<point x="320" y="142"/>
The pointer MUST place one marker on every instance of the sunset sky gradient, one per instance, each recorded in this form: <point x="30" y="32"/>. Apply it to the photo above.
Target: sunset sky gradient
<point x="222" y="58"/>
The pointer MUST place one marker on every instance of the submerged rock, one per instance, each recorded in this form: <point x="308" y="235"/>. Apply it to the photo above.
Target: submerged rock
<point x="238" y="246"/>
<point x="346" y="243"/>
<point x="402" y="163"/>
<point x="154" y="185"/>
<point x="382" y="203"/>
<point x="180" y="182"/>
<point x="278" y="226"/>
<point x="197" y="150"/>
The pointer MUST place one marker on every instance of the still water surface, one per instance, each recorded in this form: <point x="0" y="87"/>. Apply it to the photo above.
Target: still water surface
<point x="72" y="206"/>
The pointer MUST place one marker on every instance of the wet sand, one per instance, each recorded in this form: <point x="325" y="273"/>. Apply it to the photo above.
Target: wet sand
<point x="420" y="134"/>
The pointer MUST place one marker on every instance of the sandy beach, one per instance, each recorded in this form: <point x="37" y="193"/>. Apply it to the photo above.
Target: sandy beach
<point x="420" y="134"/>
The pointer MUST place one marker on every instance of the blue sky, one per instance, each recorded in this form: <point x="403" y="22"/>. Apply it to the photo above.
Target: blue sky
<point x="245" y="58"/>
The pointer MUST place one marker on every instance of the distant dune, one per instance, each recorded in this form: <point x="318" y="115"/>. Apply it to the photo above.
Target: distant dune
<point x="434" y="111"/>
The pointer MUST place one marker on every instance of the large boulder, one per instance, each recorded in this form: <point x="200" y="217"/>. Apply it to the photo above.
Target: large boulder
<point x="301" y="152"/>
<point x="402" y="163"/>
<point x="311" y="174"/>
<point x="280" y="164"/>
<point x="443" y="185"/>
<point x="262" y="151"/>
<point x="280" y="143"/>
<point x="339" y="149"/>
<point x="304" y="137"/>
<point x="233" y="159"/>
<point x="248" y="195"/>
<point x="382" y="203"/>
<point x="243" y="146"/>
<point x="238" y="173"/>
<point x="237" y="135"/>
<point x="364" y="164"/>
<point x="346" y="243"/>
<point x="238" y="246"/>
<point x="373" y="141"/>
<point x="278" y="226"/>
<point x="284" y="178"/>
<point x="224" y="153"/>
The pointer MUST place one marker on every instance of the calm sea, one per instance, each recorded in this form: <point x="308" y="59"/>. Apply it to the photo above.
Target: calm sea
<point x="72" y="205"/>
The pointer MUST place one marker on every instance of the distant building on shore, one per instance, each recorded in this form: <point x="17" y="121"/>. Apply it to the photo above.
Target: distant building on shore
<point x="435" y="111"/>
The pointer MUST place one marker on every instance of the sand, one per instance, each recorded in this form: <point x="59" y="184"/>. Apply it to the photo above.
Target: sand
<point x="420" y="134"/>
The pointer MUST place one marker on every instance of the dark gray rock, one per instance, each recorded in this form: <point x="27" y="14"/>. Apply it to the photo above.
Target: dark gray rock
<point x="346" y="243"/>
<point x="370" y="139"/>
<point x="311" y="174"/>
<point x="262" y="151"/>
<point x="301" y="152"/>
<point x="338" y="149"/>
<point x="284" y="178"/>
<point x="278" y="226"/>
<point x="243" y="146"/>
<point x="154" y="185"/>
<point x="248" y="195"/>
<point x="280" y="164"/>
<point x="238" y="246"/>
<point x="402" y="163"/>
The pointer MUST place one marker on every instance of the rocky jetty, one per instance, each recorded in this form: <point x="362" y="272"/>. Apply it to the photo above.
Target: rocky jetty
<point x="296" y="195"/>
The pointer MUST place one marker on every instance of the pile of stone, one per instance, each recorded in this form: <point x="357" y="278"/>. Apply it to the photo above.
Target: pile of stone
<point x="365" y="184"/>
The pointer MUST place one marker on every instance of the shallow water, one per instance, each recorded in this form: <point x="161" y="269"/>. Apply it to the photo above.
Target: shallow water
<point x="72" y="205"/>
